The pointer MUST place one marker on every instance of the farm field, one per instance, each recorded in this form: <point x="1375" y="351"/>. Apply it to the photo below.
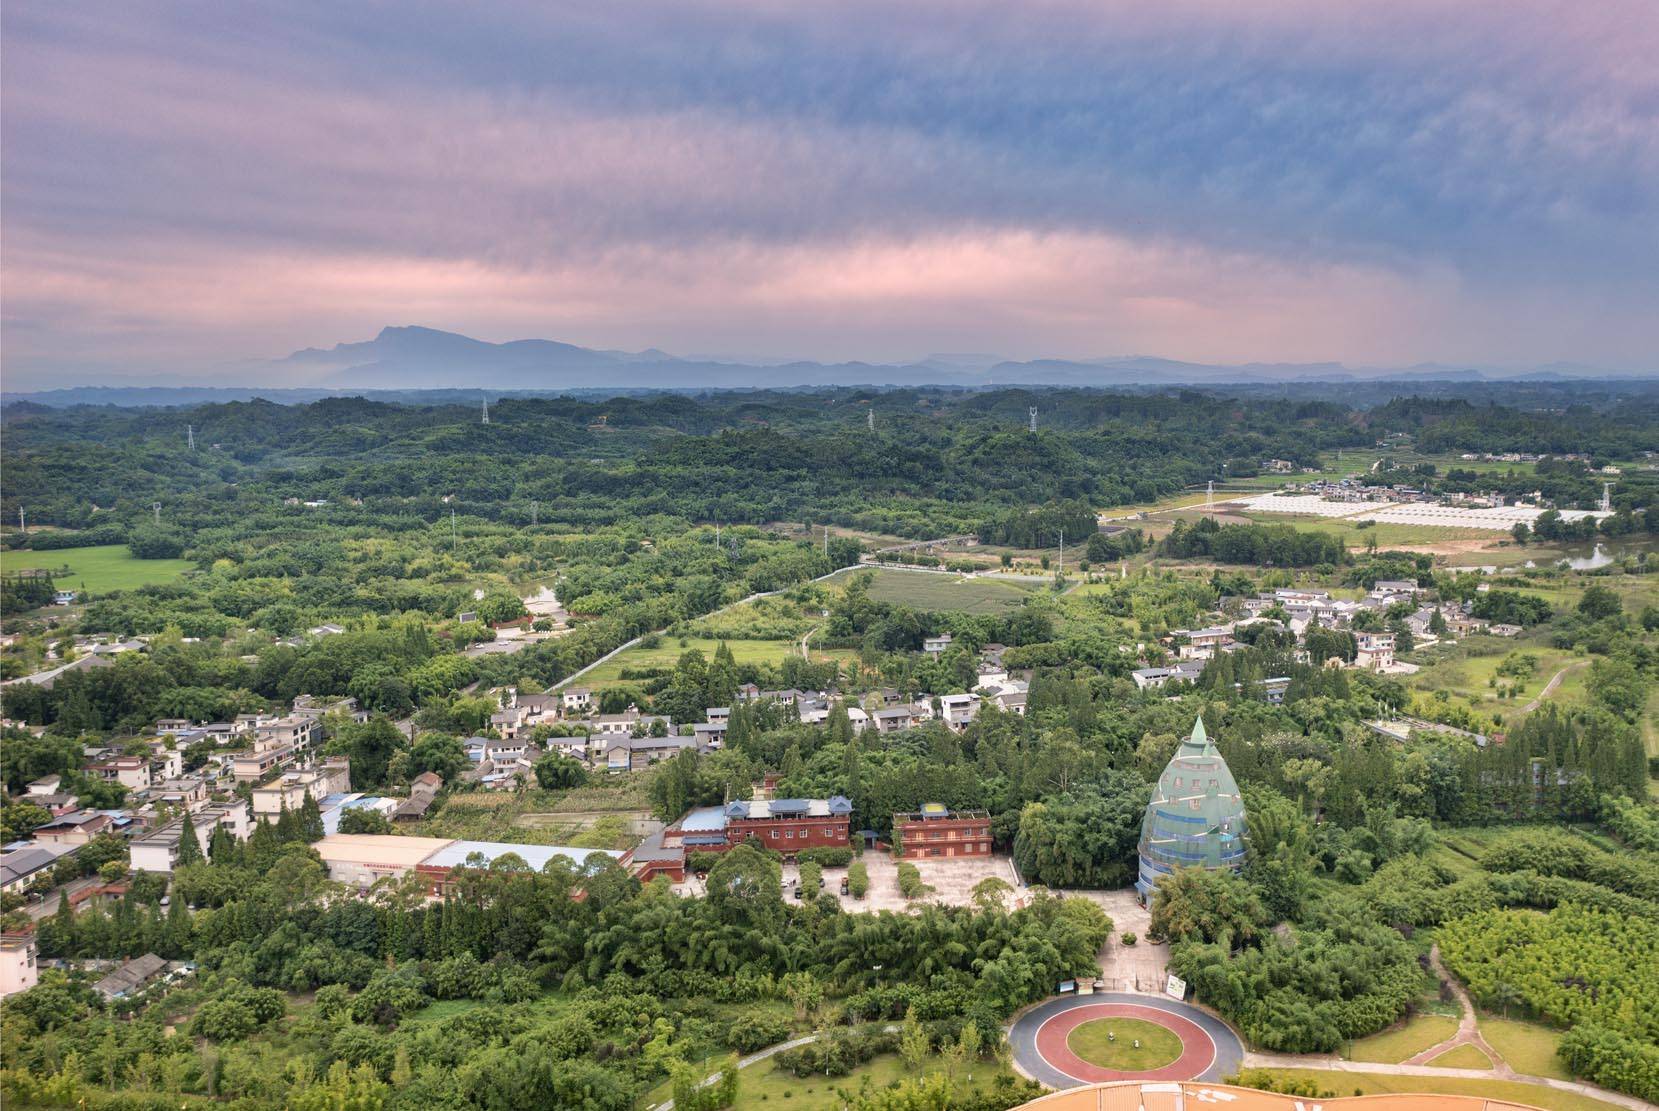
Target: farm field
<point x="1516" y="1091"/>
<point x="927" y="591"/>
<point x="98" y="569"/>
<point x="609" y="814"/>
<point x="1387" y="534"/>
<point x="667" y="653"/>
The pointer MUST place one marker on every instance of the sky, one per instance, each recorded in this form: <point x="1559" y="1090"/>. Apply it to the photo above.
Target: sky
<point x="187" y="187"/>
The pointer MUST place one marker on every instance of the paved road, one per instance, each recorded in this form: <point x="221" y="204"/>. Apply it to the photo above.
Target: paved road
<point x="1022" y="1037"/>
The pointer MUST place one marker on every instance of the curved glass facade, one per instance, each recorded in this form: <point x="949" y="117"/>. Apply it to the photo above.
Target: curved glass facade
<point x="1196" y="817"/>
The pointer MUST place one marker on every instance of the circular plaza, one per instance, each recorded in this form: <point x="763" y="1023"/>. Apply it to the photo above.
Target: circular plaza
<point x="1089" y="1039"/>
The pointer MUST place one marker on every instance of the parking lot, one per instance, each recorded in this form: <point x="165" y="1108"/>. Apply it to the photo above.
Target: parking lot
<point x="953" y="881"/>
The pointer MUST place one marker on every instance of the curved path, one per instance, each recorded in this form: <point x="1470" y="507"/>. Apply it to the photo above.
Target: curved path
<point x="1549" y="688"/>
<point x="1209" y="1051"/>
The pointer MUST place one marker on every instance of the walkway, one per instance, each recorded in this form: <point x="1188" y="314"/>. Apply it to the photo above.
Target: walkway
<point x="1549" y="688"/>
<point x="1468" y="1028"/>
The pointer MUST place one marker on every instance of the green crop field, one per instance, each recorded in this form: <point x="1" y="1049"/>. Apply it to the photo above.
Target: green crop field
<point x="98" y="569"/>
<point x="667" y="653"/>
<point x="938" y="593"/>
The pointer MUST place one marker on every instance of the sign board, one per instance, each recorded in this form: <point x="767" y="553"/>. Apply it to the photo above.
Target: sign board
<point x="1176" y="988"/>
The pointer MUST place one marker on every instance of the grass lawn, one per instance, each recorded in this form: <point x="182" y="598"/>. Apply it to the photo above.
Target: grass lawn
<point x="1464" y="671"/>
<point x="921" y="590"/>
<point x="667" y="653"/>
<point x="1525" y="1046"/>
<point x="1092" y="1041"/>
<point x="767" y="1086"/>
<point x="1463" y="1057"/>
<point x="1365" y="1083"/>
<point x="1395" y="1045"/>
<point x="98" y="569"/>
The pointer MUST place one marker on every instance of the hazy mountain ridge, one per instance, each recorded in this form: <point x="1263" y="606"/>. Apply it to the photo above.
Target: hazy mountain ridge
<point x="414" y="358"/>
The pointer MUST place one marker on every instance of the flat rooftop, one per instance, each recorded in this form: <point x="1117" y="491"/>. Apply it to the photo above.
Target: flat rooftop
<point x="387" y="850"/>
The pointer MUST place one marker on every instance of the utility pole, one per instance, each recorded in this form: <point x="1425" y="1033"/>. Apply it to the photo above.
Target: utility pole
<point x="454" y="538"/>
<point x="826" y="541"/>
<point x="1062" y="571"/>
<point x="1209" y="495"/>
<point x="21" y="522"/>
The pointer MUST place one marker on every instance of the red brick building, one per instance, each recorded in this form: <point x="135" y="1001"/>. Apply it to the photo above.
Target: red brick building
<point x="934" y="831"/>
<point x="790" y="825"/>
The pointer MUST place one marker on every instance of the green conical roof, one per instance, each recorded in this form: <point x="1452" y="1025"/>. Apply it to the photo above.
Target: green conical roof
<point x="1196" y="817"/>
<point x="1198" y="743"/>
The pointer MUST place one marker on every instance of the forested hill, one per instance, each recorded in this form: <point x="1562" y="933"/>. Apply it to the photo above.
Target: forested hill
<point x="935" y="459"/>
<point x="738" y="457"/>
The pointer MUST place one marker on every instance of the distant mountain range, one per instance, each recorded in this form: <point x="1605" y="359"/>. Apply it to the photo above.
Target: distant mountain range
<point x="416" y="358"/>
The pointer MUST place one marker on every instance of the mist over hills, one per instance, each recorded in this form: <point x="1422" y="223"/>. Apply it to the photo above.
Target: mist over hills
<point x="413" y="358"/>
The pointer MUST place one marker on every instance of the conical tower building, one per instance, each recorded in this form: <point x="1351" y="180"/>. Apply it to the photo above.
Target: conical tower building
<point x="1195" y="818"/>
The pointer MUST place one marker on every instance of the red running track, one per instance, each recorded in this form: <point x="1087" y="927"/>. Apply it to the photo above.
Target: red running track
<point x="1197" y="1050"/>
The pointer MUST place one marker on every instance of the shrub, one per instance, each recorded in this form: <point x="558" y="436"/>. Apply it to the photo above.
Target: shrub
<point x="858" y="879"/>
<point x="750" y="1032"/>
<point x="910" y="881"/>
<point x="1128" y="938"/>
<point x="827" y="856"/>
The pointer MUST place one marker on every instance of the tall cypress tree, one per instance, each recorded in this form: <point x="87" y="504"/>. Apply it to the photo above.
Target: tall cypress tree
<point x="221" y="847"/>
<point x="310" y="824"/>
<point x="190" y="849"/>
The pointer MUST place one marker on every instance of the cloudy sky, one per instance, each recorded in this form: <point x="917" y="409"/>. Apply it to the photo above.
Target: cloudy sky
<point x="187" y="185"/>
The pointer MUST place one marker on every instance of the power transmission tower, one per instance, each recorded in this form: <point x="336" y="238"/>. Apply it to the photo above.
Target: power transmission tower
<point x="826" y="541"/>
<point x="22" y="524"/>
<point x="190" y="434"/>
<point x="1209" y="495"/>
<point x="486" y="419"/>
<point x="870" y="418"/>
<point x="1607" y="497"/>
<point x="157" y="509"/>
<point x="1033" y="418"/>
<point x="534" y="505"/>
